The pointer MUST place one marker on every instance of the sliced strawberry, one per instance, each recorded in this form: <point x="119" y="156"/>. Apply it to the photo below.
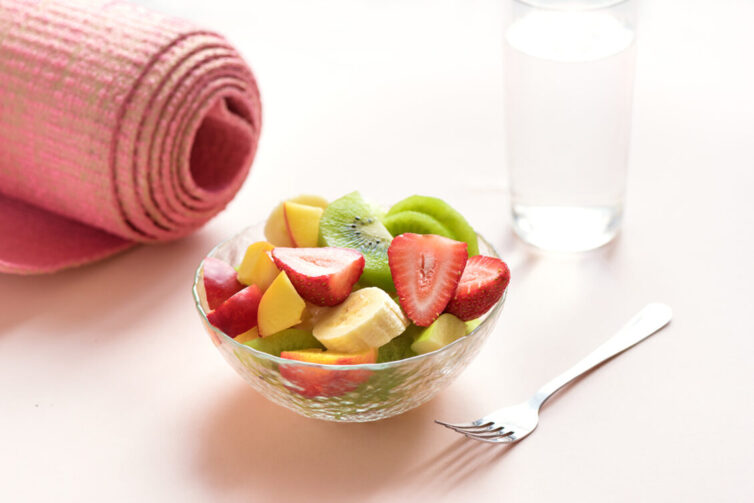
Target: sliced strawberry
<point x="220" y="281"/>
<point x="426" y="269"/>
<point x="482" y="284"/>
<point x="239" y="313"/>
<point x="323" y="276"/>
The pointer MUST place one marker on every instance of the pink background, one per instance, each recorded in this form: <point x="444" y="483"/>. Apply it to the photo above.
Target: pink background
<point x="111" y="391"/>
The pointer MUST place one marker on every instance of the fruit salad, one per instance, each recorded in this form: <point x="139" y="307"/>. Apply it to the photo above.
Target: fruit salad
<point x="347" y="283"/>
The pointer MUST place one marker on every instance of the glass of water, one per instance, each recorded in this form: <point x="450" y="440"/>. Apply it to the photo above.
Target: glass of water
<point x="569" y="72"/>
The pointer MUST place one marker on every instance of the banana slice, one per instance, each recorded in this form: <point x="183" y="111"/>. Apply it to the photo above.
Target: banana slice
<point x="367" y="319"/>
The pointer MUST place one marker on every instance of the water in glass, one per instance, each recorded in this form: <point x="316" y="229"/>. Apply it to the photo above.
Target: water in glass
<point x="569" y="86"/>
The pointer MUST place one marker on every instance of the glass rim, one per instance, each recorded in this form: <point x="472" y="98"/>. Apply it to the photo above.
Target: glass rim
<point x="550" y="5"/>
<point x="490" y="315"/>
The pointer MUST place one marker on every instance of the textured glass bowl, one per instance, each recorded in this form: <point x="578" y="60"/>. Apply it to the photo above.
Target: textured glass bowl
<point x="368" y="392"/>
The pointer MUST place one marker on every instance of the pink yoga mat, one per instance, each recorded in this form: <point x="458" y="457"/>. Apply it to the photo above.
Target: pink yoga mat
<point x="117" y="126"/>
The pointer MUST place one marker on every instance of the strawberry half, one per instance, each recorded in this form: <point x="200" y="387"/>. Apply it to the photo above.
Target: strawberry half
<point x="482" y="284"/>
<point x="323" y="276"/>
<point x="426" y="269"/>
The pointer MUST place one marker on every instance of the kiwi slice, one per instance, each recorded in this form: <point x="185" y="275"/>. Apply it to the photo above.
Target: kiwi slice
<point x="444" y="214"/>
<point x="350" y="222"/>
<point x="413" y="221"/>
<point x="291" y="339"/>
<point x="398" y="348"/>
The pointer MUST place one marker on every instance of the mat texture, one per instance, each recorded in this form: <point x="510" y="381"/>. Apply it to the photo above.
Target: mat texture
<point x="117" y="126"/>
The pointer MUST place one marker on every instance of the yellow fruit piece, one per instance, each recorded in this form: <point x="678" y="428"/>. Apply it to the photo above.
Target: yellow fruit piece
<point x="368" y="318"/>
<point x="281" y="306"/>
<point x="257" y="268"/>
<point x="264" y="271"/>
<point x="302" y="222"/>
<point x="472" y="324"/>
<point x="275" y="229"/>
<point x="248" y="335"/>
<point x="311" y="315"/>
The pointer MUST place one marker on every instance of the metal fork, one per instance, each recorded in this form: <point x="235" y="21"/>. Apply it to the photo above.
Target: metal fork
<point x="511" y="424"/>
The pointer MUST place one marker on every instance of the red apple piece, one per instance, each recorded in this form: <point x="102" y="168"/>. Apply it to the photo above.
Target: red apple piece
<point x="220" y="281"/>
<point x="238" y="314"/>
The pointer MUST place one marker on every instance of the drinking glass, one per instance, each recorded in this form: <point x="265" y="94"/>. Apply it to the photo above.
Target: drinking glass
<point x="569" y="72"/>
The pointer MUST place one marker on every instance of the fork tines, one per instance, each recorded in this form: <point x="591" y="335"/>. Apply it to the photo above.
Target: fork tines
<point x="484" y="431"/>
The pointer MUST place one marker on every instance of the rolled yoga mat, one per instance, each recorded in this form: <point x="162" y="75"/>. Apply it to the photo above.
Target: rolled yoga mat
<point x="117" y="126"/>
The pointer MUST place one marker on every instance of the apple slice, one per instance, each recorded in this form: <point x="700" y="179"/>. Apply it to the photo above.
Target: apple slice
<point x="314" y="381"/>
<point x="238" y="314"/>
<point x="275" y="229"/>
<point x="219" y="281"/>
<point x="472" y="324"/>
<point x="257" y="266"/>
<point x="281" y="306"/>
<point x="444" y="330"/>
<point x="302" y="222"/>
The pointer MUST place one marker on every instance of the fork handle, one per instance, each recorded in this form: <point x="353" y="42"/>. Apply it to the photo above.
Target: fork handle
<point x="646" y="322"/>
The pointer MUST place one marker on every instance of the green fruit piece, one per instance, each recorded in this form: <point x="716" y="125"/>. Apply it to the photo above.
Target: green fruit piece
<point x="398" y="348"/>
<point x="444" y="214"/>
<point x="441" y="332"/>
<point x="472" y="324"/>
<point x="291" y="339"/>
<point x="418" y="223"/>
<point x="350" y="222"/>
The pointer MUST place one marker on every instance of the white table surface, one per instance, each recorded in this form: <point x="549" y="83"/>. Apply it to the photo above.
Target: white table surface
<point x="111" y="391"/>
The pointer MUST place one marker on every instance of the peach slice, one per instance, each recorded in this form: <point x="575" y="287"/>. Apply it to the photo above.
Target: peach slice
<point x="257" y="267"/>
<point x="302" y="222"/>
<point x="313" y="381"/>
<point x="281" y="306"/>
<point x="275" y="229"/>
<point x="265" y="271"/>
<point x="316" y="355"/>
<point x="248" y="335"/>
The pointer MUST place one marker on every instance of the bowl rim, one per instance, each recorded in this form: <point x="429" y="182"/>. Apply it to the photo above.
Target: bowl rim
<point x="489" y="317"/>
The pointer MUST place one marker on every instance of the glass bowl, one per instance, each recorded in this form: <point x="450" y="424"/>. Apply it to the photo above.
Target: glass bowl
<point x="355" y="393"/>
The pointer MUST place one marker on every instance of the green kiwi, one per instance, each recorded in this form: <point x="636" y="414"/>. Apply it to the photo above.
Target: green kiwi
<point x="444" y="214"/>
<point x="413" y="221"/>
<point x="398" y="348"/>
<point x="291" y="339"/>
<point x="350" y="222"/>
